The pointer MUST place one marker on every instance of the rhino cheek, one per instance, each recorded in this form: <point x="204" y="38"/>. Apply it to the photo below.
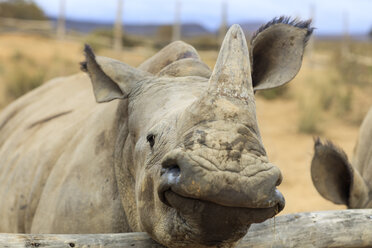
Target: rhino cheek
<point x="145" y="203"/>
<point x="154" y="216"/>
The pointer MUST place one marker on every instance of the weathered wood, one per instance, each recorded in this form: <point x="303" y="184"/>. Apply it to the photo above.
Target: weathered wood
<point x="345" y="228"/>
<point x="77" y="240"/>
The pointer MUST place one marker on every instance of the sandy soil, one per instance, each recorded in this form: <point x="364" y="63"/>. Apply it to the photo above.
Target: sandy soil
<point x="292" y="153"/>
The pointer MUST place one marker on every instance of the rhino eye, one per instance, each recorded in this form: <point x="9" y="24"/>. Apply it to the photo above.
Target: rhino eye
<point x="151" y="139"/>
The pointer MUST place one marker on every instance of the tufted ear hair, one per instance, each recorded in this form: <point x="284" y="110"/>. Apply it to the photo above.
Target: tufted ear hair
<point x="277" y="49"/>
<point x="111" y="79"/>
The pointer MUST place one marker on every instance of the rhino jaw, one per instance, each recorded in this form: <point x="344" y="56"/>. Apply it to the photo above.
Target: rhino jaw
<point x="212" y="220"/>
<point x="199" y="199"/>
<point x="216" y="224"/>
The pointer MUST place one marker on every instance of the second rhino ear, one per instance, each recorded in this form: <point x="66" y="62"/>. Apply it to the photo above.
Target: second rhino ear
<point x="331" y="172"/>
<point x="335" y="178"/>
<point x="111" y="79"/>
<point x="277" y="50"/>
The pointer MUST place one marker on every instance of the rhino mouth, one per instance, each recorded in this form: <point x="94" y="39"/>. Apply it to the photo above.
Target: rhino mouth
<point x="178" y="201"/>
<point x="217" y="207"/>
<point x="215" y="224"/>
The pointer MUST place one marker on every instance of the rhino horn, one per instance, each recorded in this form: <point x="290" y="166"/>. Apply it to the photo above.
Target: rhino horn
<point x="231" y="76"/>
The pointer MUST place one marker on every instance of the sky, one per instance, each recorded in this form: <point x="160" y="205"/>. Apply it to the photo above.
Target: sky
<point x="330" y="16"/>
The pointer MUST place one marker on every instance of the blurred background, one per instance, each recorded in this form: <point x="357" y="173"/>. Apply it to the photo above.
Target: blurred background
<point x="43" y="39"/>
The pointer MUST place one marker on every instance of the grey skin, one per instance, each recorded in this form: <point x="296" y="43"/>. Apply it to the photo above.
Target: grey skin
<point x="341" y="181"/>
<point x="179" y="155"/>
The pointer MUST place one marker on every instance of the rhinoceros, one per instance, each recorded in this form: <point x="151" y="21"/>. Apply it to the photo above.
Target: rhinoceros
<point x="341" y="181"/>
<point x="169" y="148"/>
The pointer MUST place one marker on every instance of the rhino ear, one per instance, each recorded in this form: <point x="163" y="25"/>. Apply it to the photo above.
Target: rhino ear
<point x="331" y="172"/>
<point x="111" y="79"/>
<point x="277" y="50"/>
<point x="335" y="178"/>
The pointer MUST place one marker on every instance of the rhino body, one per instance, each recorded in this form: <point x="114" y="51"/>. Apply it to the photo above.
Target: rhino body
<point x="341" y="181"/>
<point x="178" y="154"/>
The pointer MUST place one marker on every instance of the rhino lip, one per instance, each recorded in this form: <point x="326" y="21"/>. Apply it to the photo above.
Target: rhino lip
<point x="165" y="190"/>
<point x="163" y="199"/>
<point x="162" y="191"/>
<point x="197" y="210"/>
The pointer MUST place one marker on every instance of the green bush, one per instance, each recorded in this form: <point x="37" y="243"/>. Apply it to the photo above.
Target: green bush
<point x="22" y="82"/>
<point x="205" y="42"/>
<point x="344" y="102"/>
<point x="96" y="42"/>
<point x="21" y="9"/>
<point x="107" y="34"/>
<point x="309" y="118"/>
<point x="22" y="75"/>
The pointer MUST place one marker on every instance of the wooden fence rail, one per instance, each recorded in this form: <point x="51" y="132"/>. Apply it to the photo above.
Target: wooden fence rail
<point x="345" y="228"/>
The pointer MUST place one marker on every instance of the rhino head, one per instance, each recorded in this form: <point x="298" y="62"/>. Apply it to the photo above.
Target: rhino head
<point x="190" y="164"/>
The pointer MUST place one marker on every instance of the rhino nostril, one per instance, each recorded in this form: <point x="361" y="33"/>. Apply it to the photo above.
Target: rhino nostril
<point x="170" y="166"/>
<point x="170" y="176"/>
<point x="171" y="169"/>
<point x="174" y="170"/>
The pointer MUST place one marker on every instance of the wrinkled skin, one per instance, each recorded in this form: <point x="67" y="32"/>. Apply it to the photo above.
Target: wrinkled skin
<point x="340" y="181"/>
<point x="178" y="156"/>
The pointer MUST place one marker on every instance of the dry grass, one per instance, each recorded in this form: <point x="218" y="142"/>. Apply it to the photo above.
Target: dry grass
<point x="325" y="98"/>
<point x="331" y="87"/>
<point x="27" y="61"/>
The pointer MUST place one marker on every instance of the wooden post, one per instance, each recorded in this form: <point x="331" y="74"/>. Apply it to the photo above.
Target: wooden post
<point x="176" y="32"/>
<point x="342" y="228"/>
<point x="345" y="41"/>
<point x="61" y="25"/>
<point x="310" y="44"/>
<point x="118" y="29"/>
<point x="223" y="26"/>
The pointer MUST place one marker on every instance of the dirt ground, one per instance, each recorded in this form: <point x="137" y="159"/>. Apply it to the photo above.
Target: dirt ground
<point x="292" y="153"/>
<point x="290" y="150"/>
